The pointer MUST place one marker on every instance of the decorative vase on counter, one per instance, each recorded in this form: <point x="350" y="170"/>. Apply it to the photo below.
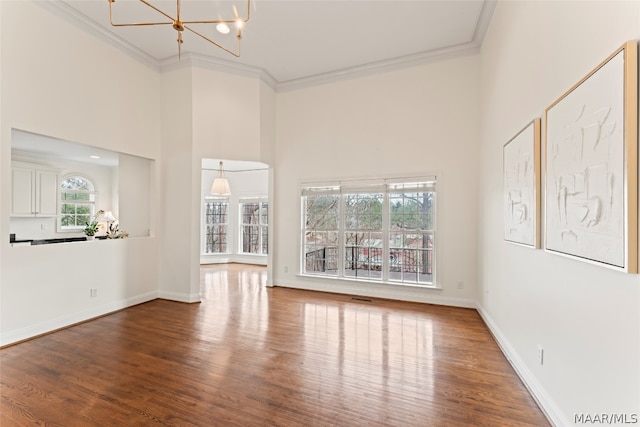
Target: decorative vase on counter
<point x="91" y="238"/>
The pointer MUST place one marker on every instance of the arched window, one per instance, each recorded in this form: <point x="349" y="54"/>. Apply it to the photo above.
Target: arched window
<point x="77" y="202"/>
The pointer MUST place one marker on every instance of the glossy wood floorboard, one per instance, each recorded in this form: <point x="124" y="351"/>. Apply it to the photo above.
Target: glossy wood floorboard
<point x="255" y="356"/>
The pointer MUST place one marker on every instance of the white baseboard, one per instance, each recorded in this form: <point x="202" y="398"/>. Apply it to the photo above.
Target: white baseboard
<point x="399" y="293"/>
<point x="546" y="404"/>
<point x="180" y="297"/>
<point x="41" y="328"/>
<point x="235" y="258"/>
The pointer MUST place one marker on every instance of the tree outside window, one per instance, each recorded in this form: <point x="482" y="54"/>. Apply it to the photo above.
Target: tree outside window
<point x="321" y="233"/>
<point x="375" y="231"/>
<point x="216" y="225"/>
<point x="254" y="227"/>
<point x="411" y="236"/>
<point x="363" y="248"/>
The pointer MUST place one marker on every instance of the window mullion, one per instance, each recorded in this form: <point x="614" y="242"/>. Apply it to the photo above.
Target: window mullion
<point x="264" y="228"/>
<point x="259" y="229"/>
<point x="341" y="231"/>
<point x="385" y="237"/>
<point x="259" y="248"/>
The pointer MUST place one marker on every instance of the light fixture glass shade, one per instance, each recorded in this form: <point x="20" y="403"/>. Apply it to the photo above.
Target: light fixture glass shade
<point x="220" y="185"/>
<point x="108" y="216"/>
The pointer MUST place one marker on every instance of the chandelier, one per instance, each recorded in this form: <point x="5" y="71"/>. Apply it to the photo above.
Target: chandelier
<point x="180" y="26"/>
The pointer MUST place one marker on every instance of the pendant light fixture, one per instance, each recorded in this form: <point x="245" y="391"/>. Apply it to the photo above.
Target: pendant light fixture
<point x="180" y="26"/>
<point x="220" y="185"/>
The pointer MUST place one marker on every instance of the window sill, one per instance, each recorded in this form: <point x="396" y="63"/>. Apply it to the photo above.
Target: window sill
<point x="352" y="281"/>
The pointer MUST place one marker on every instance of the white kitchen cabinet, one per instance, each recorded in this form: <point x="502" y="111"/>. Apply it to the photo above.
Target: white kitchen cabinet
<point x="34" y="191"/>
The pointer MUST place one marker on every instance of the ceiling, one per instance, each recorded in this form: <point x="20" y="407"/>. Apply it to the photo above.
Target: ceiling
<point x="294" y="40"/>
<point x="34" y="146"/>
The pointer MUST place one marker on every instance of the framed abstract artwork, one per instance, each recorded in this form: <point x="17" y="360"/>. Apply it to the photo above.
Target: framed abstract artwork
<point x="521" y="174"/>
<point x="591" y="166"/>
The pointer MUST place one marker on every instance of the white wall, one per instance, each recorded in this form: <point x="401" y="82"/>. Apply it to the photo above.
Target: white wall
<point x="135" y="195"/>
<point x="412" y="122"/>
<point x="226" y="115"/>
<point x="109" y="101"/>
<point x="587" y="318"/>
<point x="267" y="124"/>
<point x="268" y="156"/>
<point x="180" y="178"/>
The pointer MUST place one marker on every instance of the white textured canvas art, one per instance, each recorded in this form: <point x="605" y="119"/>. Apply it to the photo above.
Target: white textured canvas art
<point x="521" y="163"/>
<point x="585" y="203"/>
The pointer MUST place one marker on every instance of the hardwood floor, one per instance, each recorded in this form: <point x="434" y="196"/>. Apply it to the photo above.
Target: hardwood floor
<point x="255" y="356"/>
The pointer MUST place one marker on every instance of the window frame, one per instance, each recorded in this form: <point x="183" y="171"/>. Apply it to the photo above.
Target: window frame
<point x="423" y="248"/>
<point x="91" y="203"/>
<point x="205" y="224"/>
<point x="263" y="227"/>
<point x="328" y="233"/>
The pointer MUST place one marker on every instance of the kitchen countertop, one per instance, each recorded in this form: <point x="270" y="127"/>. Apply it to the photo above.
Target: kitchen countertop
<point x="58" y="240"/>
<point x="21" y="241"/>
<point x="34" y="242"/>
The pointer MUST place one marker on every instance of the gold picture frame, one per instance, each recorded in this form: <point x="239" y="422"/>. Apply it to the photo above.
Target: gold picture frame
<point x="521" y="180"/>
<point x="591" y="166"/>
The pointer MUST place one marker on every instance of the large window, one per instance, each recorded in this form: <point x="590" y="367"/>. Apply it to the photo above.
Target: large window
<point x="375" y="231"/>
<point x="216" y="220"/>
<point x="77" y="203"/>
<point x="254" y="227"/>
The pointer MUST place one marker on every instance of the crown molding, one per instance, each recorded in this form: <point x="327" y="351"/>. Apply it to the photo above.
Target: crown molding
<point x="217" y="64"/>
<point x="486" y="13"/>
<point x="74" y="17"/>
<point x="80" y="20"/>
<point x="407" y="61"/>
<point x="464" y="49"/>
